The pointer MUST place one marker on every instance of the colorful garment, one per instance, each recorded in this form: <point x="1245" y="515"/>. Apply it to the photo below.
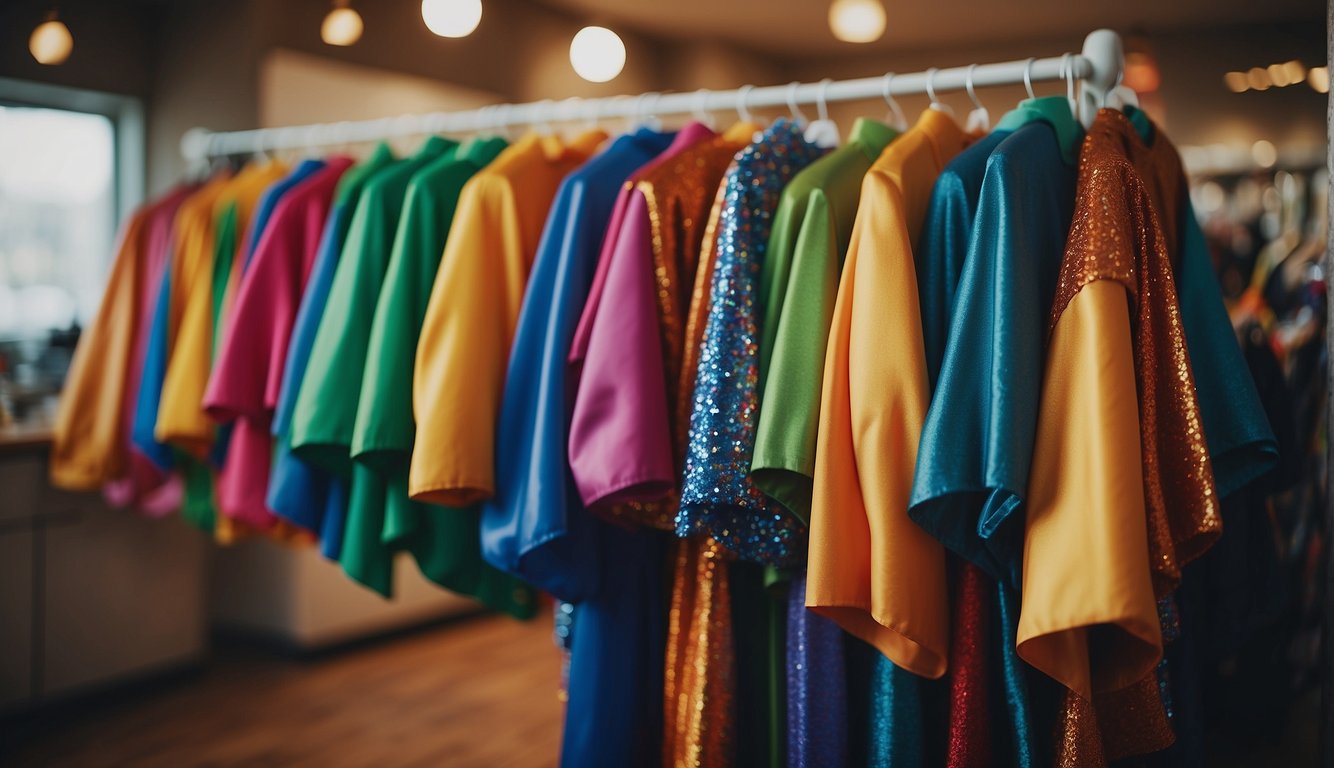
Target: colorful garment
<point x="535" y="527"/>
<point x="470" y="320"/>
<point x="798" y="282"/>
<point x="717" y="495"/>
<point x="444" y="544"/>
<point x="870" y="568"/>
<point x="243" y="388"/>
<point x="192" y="249"/>
<point x="144" y="485"/>
<point x="631" y="413"/>
<point x="181" y="421"/>
<point x="299" y="492"/>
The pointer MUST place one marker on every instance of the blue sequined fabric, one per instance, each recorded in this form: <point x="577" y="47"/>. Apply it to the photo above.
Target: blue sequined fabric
<point x="717" y="495"/>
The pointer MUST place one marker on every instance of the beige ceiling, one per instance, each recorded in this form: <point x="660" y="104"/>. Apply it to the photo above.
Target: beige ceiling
<point x="786" y="27"/>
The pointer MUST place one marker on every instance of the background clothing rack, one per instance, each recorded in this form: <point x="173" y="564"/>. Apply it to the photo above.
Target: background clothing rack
<point x="1098" y="67"/>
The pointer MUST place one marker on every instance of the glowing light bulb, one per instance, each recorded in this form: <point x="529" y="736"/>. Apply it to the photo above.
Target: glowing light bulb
<point x="1258" y="78"/>
<point x="342" y="26"/>
<point x="1236" y="82"/>
<point x="597" y="54"/>
<point x="51" y="42"/>
<point x="857" y="21"/>
<point x="452" y="18"/>
<point x="1264" y="154"/>
<point x="1318" y="79"/>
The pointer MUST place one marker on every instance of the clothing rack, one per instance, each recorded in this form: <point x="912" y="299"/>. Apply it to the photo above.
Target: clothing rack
<point x="1098" y="67"/>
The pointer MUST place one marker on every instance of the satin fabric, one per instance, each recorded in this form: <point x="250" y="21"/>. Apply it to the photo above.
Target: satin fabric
<point x="299" y="492"/>
<point x="470" y="320"/>
<point x="181" y="421"/>
<point x="144" y="485"/>
<point x="870" y="568"/>
<point x="192" y="245"/>
<point x="628" y="427"/>
<point x="325" y="413"/>
<point x="245" y="382"/>
<point x="536" y="527"/>
<point x="381" y="519"/>
<point x="91" y="436"/>
<point x="798" y="283"/>
<point x="718" y="497"/>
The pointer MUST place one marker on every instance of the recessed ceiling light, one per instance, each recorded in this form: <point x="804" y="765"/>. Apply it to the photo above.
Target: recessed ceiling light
<point x="857" y="21"/>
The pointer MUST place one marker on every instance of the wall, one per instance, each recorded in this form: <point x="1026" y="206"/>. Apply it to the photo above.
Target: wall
<point x="113" y="45"/>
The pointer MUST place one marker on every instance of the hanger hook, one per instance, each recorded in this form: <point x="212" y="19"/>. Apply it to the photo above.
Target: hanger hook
<point x="1028" y="78"/>
<point x="968" y="85"/>
<point x="700" y="113"/>
<point x="887" y="91"/>
<point x="797" y="114"/>
<point x="643" y="111"/>
<point x="822" y="99"/>
<point x="1068" y="72"/>
<point x="742" y="111"/>
<point x="931" y="85"/>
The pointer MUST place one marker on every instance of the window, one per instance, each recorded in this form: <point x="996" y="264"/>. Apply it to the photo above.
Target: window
<point x="57" y="217"/>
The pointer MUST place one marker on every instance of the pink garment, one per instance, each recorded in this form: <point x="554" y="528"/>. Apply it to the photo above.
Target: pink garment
<point x="145" y="486"/>
<point x="620" y="431"/>
<point x="247" y="374"/>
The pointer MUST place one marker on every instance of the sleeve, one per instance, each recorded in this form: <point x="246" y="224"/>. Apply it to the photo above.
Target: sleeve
<point x="784" y="460"/>
<point x="384" y="415"/>
<point x="89" y="445"/>
<point x="620" y="431"/>
<point x="325" y="415"/>
<point x="237" y="388"/>
<point x="871" y="569"/>
<point x="1086" y="564"/>
<point x="464" y="347"/>
<point x="181" y="420"/>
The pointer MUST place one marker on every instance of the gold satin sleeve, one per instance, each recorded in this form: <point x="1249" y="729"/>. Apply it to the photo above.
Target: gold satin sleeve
<point x="1089" y="617"/>
<point x="871" y="569"/>
<point x="464" y="347"/>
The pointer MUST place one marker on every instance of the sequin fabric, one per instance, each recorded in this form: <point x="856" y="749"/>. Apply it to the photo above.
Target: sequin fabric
<point x="1078" y="742"/>
<point x="817" y="701"/>
<point x="717" y="494"/>
<point x="969" y="728"/>
<point x="680" y="196"/>
<point x="699" y="685"/>
<point x="1117" y="235"/>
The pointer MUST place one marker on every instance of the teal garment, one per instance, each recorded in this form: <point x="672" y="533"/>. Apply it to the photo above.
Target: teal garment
<point x="977" y="440"/>
<point x="1241" y="442"/>
<point x="967" y="218"/>
<point x="896" y="737"/>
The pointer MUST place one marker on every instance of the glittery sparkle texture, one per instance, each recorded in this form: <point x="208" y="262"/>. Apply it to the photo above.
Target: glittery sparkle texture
<point x="1117" y="235"/>
<point x="717" y="495"/>
<point x="970" y="742"/>
<point x="680" y="195"/>
<point x="817" y="701"/>
<point x="699" y="684"/>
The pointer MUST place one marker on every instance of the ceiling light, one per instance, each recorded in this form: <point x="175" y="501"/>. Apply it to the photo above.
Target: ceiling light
<point x="1236" y="82"/>
<point x="342" y="26"/>
<point x="1264" y="154"/>
<point x="857" y="21"/>
<point x="1258" y="79"/>
<point x="597" y="54"/>
<point x="452" y="18"/>
<point x="1318" y="79"/>
<point x="51" y="42"/>
<point x="1295" y="72"/>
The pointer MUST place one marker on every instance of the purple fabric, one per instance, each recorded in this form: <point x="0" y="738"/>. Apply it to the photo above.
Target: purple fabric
<point x="817" y="698"/>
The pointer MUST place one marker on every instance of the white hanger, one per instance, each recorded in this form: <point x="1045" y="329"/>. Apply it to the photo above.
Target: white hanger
<point x="1028" y="78"/>
<point x="742" y="111"/>
<point x="797" y="115"/>
<point x="699" y="112"/>
<point x="644" y="116"/>
<point x="895" y="118"/>
<point x="979" y="120"/>
<point x="1068" y="72"/>
<point x="936" y="103"/>
<point x="823" y="132"/>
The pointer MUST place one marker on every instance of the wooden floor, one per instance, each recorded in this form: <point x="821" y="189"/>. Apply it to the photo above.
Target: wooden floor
<point x="480" y="692"/>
